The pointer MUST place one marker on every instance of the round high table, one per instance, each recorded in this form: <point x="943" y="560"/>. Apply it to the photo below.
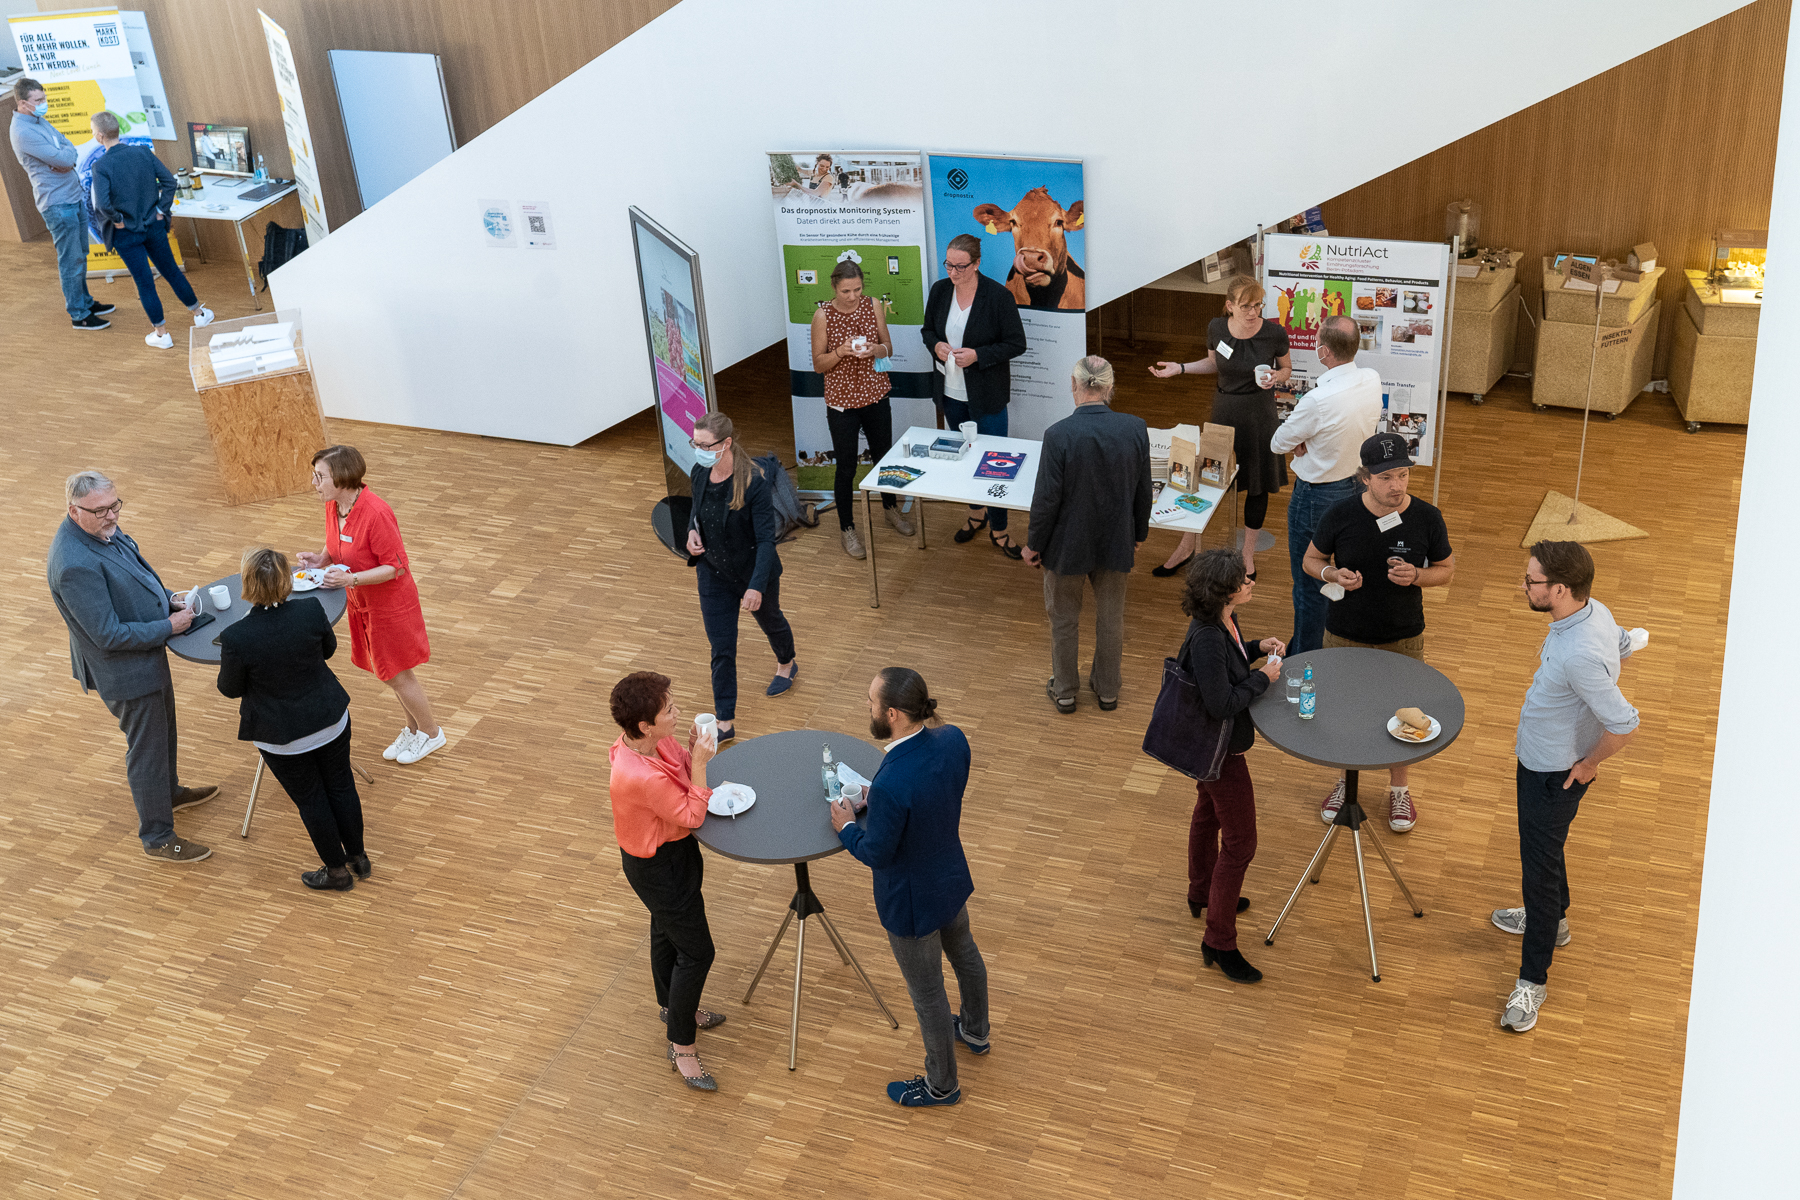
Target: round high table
<point x="1358" y="690"/>
<point x="789" y="823"/>
<point x="202" y="646"/>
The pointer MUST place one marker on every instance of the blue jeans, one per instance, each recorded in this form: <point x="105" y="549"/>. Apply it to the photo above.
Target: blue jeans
<point x="1306" y="508"/>
<point x="147" y="246"/>
<point x="1546" y="810"/>
<point x="993" y="425"/>
<point x="68" y="230"/>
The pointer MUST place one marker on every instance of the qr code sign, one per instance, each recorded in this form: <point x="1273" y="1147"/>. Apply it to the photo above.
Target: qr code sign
<point x="537" y="224"/>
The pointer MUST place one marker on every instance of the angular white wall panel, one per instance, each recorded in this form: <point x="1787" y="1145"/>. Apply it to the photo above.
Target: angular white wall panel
<point x="1195" y="119"/>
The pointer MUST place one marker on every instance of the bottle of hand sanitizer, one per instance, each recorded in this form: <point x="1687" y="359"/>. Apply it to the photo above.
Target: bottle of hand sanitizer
<point x="262" y="172"/>
<point x="828" y="773"/>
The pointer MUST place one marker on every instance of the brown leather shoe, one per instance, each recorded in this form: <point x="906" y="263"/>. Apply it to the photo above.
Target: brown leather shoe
<point x="897" y="519"/>
<point x="177" y="850"/>
<point x="187" y="797"/>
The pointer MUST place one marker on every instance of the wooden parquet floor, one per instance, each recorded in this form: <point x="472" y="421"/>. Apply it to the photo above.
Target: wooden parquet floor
<point x="477" y="1022"/>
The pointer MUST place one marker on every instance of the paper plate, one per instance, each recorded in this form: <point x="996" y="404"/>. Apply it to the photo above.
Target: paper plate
<point x="306" y="581"/>
<point x="1393" y="727"/>
<point x="731" y="799"/>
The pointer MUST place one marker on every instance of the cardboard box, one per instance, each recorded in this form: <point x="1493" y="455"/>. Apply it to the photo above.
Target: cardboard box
<point x="1623" y="305"/>
<point x="1712" y="315"/>
<point x="1484" y="291"/>
<point x="1710" y="374"/>
<point x="1481" y="345"/>
<point x="1621" y="365"/>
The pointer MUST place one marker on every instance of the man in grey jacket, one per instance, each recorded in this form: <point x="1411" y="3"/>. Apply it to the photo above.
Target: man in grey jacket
<point x="119" y="616"/>
<point x="1089" y="513"/>
<point x="49" y="160"/>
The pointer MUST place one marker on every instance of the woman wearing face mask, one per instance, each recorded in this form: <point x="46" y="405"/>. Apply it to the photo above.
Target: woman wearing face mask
<point x="849" y="332"/>
<point x="1236" y="345"/>
<point x="731" y="545"/>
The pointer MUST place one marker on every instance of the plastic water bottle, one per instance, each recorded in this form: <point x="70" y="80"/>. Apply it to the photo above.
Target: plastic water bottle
<point x="1309" y="699"/>
<point x="262" y="172"/>
<point x="828" y="773"/>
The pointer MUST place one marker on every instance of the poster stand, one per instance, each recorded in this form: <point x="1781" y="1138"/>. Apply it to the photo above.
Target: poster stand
<point x="1437" y="459"/>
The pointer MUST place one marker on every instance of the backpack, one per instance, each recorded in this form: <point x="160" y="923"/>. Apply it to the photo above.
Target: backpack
<point x="790" y="513"/>
<point x="279" y="245"/>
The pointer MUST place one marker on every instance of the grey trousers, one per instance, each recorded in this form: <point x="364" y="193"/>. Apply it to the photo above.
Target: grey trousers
<point x="1062" y="600"/>
<point x="921" y="962"/>
<point x="148" y="723"/>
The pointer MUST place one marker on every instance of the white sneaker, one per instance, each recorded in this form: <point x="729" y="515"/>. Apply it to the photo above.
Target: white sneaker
<point x="1512" y="920"/>
<point x="1522" y="1006"/>
<point x="422" y="745"/>
<point x="203" y="316"/>
<point x="400" y="744"/>
<point x="159" y="341"/>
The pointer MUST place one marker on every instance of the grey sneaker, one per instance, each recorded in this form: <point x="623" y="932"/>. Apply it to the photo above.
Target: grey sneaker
<point x="1512" y="920"/>
<point x="902" y="526"/>
<point x="852" y="544"/>
<point x="176" y="850"/>
<point x="1522" y="1007"/>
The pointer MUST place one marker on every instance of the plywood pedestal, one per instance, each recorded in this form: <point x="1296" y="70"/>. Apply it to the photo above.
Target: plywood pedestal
<point x="264" y="432"/>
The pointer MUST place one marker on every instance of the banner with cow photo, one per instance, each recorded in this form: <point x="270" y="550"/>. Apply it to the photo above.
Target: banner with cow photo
<point x="868" y="207"/>
<point x="1396" y="294"/>
<point x="1030" y="217"/>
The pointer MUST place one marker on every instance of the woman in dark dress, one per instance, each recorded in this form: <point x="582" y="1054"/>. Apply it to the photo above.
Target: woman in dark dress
<point x="1222" y="833"/>
<point x="731" y="545"/>
<point x="1236" y="344"/>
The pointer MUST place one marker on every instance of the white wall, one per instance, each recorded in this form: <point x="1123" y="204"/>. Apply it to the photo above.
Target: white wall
<point x="1183" y="111"/>
<point x="1740" y="1106"/>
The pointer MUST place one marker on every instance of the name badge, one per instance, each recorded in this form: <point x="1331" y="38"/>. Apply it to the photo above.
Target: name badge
<point x="344" y="537"/>
<point x="1222" y="350"/>
<point x="1384" y="524"/>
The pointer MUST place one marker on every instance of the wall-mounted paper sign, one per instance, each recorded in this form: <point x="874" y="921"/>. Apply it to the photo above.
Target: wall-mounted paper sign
<point x="535" y="225"/>
<point x="497" y="229"/>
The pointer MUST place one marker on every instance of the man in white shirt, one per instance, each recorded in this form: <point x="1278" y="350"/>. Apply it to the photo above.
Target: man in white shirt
<point x="1325" y="432"/>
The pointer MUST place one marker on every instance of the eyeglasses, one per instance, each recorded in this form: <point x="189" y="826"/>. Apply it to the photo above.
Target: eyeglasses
<point x="319" y="478"/>
<point x="950" y="266"/>
<point x="707" y="446"/>
<point x="111" y="510"/>
<point x="1531" y="583"/>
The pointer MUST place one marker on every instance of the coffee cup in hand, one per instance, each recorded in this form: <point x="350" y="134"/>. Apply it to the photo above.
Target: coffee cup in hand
<point x="707" y="726"/>
<point x="1264" y="373"/>
<point x="859" y="343"/>
<point x="852" y="795"/>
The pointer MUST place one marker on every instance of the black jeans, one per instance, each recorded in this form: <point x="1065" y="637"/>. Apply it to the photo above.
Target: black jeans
<point x="323" y="788"/>
<point x="681" y="945"/>
<point x="875" y="422"/>
<point x="1546" y="811"/>
<point x="720" y="596"/>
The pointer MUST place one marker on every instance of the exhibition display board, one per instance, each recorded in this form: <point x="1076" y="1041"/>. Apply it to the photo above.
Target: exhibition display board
<point x="1396" y="293"/>
<point x="869" y="208"/>
<point x="675" y="329"/>
<point x="1031" y="217"/>
<point x="293" y="124"/>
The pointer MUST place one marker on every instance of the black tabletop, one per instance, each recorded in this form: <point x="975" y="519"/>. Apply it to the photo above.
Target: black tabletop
<point x="791" y="821"/>
<point x="1358" y="690"/>
<point x="197" y="645"/>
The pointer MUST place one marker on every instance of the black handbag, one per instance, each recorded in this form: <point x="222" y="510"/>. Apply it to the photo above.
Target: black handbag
<point x="1182" y="734"/>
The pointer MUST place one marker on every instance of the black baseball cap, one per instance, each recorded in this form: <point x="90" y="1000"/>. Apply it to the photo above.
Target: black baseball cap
<point x="1385" y="452"/>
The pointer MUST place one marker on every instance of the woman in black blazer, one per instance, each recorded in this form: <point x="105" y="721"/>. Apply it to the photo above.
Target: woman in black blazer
<point x="972" y="329"/>
<point x="1222" y="832"/>
<point x="296" y="713"/>
<point x="731" y="544"/>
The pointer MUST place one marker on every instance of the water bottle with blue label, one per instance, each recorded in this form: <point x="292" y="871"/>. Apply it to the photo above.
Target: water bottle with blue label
<point x="1309" y="698"/>
<point x="828" y="773"/>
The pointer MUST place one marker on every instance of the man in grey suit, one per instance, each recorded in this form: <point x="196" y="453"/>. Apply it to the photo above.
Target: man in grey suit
<point x="119" y="616"/>
<point x="1089" y="513"/>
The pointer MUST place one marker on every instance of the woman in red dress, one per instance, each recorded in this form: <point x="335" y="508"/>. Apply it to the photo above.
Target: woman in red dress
<point x="363" y="552"/>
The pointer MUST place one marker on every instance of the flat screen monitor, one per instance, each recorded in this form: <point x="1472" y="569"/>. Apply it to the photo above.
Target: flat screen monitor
<point x="221" y="147"/>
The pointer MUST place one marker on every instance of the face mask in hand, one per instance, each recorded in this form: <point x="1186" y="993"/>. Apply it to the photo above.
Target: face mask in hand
<point x="706" y="458"/>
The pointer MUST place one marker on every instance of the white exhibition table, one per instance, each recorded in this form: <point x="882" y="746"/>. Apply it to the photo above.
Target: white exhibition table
<point x="954" y="481"/>
<point x="218" y="201"/>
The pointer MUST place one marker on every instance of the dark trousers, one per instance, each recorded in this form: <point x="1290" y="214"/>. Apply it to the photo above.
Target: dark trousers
<point x="148" y="723"/>
<point x="875" y="422"/>
<point x="681" y="945"/>
<point x="720" y="596"/>
<point x="1546" y="811"/>
<point x="1221" y="843"/>
<point x="141" y="249"/>
<point x="921" y="962"/>
<point x="1306" y="508"/>
<point x="323" y="787"/>
<point x="992" y="424"/>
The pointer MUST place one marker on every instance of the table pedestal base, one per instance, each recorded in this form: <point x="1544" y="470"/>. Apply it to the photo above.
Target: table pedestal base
<point x="1351" y="816"/>
<point x="806" y="904"/>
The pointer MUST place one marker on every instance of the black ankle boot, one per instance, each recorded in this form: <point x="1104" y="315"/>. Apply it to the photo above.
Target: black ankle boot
<point x="329" y="879"/>
<point x="1236" y="967"/>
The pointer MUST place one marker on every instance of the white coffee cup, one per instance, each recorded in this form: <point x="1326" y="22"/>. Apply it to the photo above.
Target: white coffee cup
<point x="968" y="430"/>
<point x="1263" y="373"/>
<point x="852" y="794"/>
<point x="221" y="597"/>
<point x="859" y="343"/>
<point x="707" y="726"/>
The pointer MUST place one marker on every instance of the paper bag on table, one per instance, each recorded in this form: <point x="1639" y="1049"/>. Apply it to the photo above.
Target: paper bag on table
<point x="1184" y="447"/>
<point x="1217" y="458"/>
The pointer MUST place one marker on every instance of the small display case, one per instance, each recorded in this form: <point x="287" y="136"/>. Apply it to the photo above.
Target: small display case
<point x="1737" y="259"/>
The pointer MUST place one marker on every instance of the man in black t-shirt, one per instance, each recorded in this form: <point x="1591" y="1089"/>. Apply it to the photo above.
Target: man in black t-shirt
<point x="1386" y="546"/>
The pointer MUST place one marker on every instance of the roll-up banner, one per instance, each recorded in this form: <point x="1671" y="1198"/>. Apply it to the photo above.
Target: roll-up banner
<point x="1395" y="292"/>
<point x="675" y="331"/>
<point x="1030" y="216"/>
<point x="293" y="124"/>
<point x="869" y="207"/>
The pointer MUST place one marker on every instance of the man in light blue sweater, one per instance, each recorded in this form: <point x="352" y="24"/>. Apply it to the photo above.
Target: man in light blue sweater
<point x="49" y="160"/>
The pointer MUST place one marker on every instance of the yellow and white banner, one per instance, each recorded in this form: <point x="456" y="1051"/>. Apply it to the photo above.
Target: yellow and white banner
<point x="293" y="122"/>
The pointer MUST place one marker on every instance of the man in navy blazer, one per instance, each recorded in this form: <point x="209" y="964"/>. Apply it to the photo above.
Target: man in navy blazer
<point x="119" y="616"/>
<point x="910" y="841"/>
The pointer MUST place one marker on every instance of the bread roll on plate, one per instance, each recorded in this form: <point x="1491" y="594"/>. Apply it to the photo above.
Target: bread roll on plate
<point x="1413" y="722"/>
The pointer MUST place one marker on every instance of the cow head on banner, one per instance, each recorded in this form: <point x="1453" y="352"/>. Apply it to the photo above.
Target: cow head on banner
<point x="1043" y="275"/>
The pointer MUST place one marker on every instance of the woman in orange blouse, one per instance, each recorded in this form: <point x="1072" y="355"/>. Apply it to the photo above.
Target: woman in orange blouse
<point x="363" y="552"/>
<point x="656" y="805"/>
